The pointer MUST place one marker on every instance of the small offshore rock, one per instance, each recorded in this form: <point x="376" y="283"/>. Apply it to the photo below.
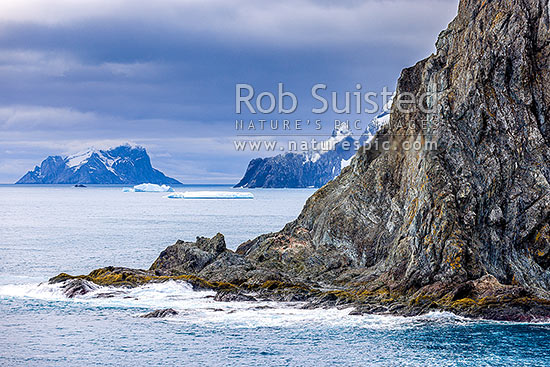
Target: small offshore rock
<point x="160" y="313"/>
<point x="78" y="287"/>
<point x="228" y="296"/>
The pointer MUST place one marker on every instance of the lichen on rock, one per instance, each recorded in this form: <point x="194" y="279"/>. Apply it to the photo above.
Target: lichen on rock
<point x="462" y="226"/>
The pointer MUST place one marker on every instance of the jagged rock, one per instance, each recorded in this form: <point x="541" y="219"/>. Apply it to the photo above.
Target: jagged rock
<point x="229" y="296"/>
<point x="77" y="287"/>
<point x="459" y="222"/>
<point x="160" y="313"/>
<point x="189" y="257"/>
<point x="228" y="267"/>
<point x="476" y="203"/>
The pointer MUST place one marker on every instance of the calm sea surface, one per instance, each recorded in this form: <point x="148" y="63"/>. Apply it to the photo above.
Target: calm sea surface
<point x="45" y="230"/>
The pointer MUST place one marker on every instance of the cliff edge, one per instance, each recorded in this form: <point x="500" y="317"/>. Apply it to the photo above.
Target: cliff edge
<point x="449" y="207"/>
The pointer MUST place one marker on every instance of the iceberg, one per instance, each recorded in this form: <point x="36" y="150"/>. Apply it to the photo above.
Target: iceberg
<point x="147" y="187"/>
<point x="210" y="195"/>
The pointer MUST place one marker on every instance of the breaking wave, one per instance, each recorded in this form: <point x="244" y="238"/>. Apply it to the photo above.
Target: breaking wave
<point x="200" y="308"/>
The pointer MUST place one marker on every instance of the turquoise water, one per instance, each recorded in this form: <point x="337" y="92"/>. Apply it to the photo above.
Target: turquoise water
<point x="46" y="230"/>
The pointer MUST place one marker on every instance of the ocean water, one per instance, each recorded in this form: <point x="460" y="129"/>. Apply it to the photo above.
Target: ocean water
<point x="45" y="230"/>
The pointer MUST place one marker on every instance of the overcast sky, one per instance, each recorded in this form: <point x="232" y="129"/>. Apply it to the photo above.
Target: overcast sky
<point x="162" y="74"/>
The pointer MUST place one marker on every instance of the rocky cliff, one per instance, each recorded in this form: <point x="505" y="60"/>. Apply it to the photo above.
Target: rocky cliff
<point x="121" y="165"/>
<point x="476" y="205"/>
<point x="459" y="221"/>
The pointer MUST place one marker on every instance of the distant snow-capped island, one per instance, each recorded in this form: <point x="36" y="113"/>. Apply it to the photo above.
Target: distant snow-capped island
<point x="125" y="164"/>
<point x="316" y="167"/>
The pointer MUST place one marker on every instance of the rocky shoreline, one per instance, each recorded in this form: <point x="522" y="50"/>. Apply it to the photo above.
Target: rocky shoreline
<point x="196" y="264"/>
<point x="462" y="226"/>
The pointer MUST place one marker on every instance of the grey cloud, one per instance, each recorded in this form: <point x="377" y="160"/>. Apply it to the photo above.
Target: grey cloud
<point x="162" y="74"/>
<point x="286" y="22"/>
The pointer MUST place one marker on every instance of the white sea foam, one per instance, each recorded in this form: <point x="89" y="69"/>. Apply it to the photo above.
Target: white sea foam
<point x="43" y="291"/>
<point x="162" y="295"/>
<point x="199" y="308"/>
<point x="210" y="195"/>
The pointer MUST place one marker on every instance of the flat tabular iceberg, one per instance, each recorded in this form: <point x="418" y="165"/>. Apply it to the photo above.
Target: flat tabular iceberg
<point x="147" y="187"/>
<point x="210" y="195"/>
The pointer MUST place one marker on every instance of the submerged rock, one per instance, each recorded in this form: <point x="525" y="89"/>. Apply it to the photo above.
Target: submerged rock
<point x="78" y="287"/>
<point x="229" y="296"/>
<point x="160" y="313"/>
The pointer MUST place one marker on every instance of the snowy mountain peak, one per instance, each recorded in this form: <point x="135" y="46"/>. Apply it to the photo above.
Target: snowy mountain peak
<point x="79" y="158"/>
<point x="340" y="133"/>
<point x="341" y="130"/>
<point x="125" y="164"/>
<point x="315" y="167"/>
<point x="309" y="169"/>
<point x="382" y="119"/>
<point x="109" y="156"/>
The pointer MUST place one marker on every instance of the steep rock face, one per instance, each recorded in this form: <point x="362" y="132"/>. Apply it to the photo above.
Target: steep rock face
<point x="459" y="222"/>
<point x="122" y="165"/>
<point x="473" y="200"/>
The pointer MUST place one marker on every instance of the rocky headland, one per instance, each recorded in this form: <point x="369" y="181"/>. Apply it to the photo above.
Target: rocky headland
<point x="462" y="226"/>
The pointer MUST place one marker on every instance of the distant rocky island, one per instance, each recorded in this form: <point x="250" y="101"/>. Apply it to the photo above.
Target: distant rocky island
<point x="299" y="170"/>
<point x="125" y="164"/>
<point x="313" y="168"/>
<point x="464" y="227"/>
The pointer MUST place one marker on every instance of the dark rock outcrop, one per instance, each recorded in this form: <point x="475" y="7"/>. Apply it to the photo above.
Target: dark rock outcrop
<point x="450" y="210"/>
<point x="189" y="257"/>
<point x="418" y="223"/>
<point x="78" y="287"/>
<point x="160" y="313"/>
<point x="122" y="165"/>
<point x="229" y="296"/>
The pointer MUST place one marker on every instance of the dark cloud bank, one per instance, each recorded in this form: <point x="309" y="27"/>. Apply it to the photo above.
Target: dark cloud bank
<point x="163" y="75"/>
